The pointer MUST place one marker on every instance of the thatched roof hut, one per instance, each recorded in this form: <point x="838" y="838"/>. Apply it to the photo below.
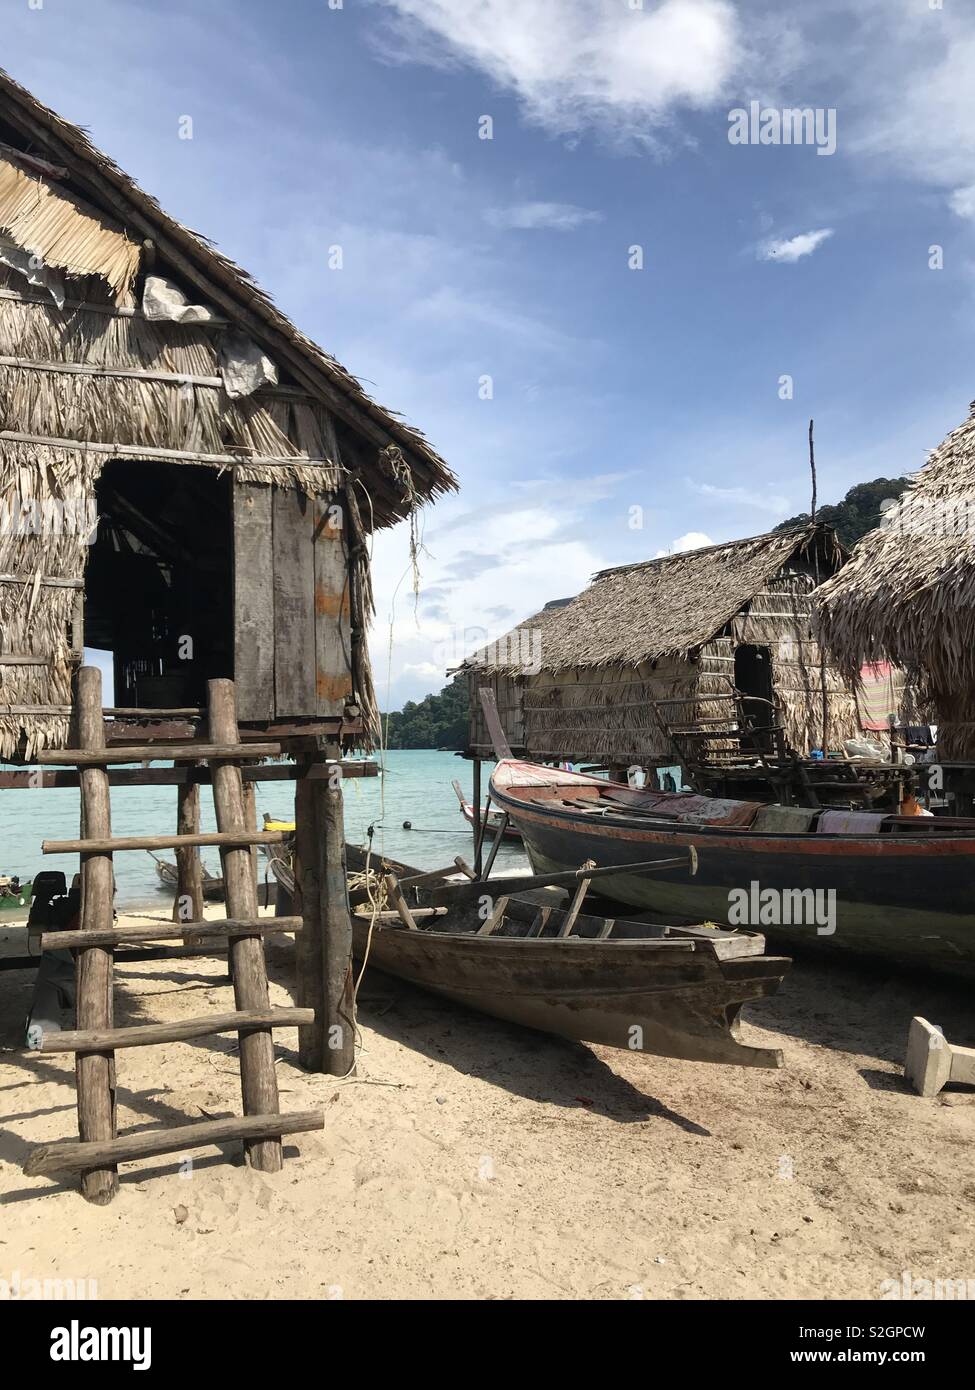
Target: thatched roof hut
<point x="907" y="595"/>
<point x="657" y="646"/>
<point x="176" y="459"/>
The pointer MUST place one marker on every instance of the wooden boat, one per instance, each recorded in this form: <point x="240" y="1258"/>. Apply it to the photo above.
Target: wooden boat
<point x="902" y="892"/>
<point x="169" y="879"/>
<point x="495" y="819"/>
<point x="675" y="992"/>
<point x="14" y="894"/>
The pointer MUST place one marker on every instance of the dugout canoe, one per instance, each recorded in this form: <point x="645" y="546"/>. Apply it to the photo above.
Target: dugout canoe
<point x="670" y="991"/>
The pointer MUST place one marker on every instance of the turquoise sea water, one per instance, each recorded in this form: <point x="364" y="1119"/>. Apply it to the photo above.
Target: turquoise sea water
<point x="415" y="787"/>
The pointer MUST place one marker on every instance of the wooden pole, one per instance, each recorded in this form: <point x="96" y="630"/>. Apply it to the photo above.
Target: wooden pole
<point x="478" y="832"/>
<point x="95" y="1071"/>
<point x="250" y="821"/>
<point x="258" y="1081"/>
<point x="310" y="989"/>
<point x="336" y="926"/>
<point x="188" y="903"/>
<point x="496" y="845"/>
<point x="67" y="1158"/>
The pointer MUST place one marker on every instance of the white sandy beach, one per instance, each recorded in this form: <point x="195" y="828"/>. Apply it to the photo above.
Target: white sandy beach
<point x="468" y="1159"/>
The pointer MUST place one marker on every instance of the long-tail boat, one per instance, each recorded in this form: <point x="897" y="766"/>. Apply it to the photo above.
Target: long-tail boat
<point x="671" y="991"/>
<point x="495" y="819"/>
<point x="890" y="886"/>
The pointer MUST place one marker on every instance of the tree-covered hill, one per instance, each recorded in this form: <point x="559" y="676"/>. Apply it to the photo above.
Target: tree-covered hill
<point x="436" y="721"/>
<point x="858" y="513"/>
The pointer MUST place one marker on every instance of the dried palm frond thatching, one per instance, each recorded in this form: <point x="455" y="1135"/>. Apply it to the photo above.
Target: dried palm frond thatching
<point x="671" y="605"/>
<point x="583" y="678"/>
<point x="54" y="225"/>
<point x="907" y="594"/>
<point x="87" y="377"/>
<point x="223" y="284"/>
<point x="37" y="491"/>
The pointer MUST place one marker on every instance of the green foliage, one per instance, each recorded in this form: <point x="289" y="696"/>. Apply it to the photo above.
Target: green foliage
<point x="437" y="721"/>
<point x="858" y="513"/>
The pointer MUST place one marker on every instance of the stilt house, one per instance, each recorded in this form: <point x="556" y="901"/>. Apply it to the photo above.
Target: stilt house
<point x="186" y="480"/>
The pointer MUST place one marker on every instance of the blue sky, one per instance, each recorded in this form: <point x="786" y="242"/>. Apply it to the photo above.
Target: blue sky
<point x="613" y="388"/>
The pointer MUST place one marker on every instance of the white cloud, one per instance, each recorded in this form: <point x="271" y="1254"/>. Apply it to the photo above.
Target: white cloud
<point x="917" y="93"/>
<point x="579" y="63"/>
<point x="795" y="247"/>
<point x="690" y="540"/>
<point x="747" y="497"/>
<point x="962" y="202"/>
<point x="530" y="217"/>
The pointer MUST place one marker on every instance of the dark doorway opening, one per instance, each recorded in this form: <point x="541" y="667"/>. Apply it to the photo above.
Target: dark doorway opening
<point x="753" y="678"/>
<point x="159" y="581"/>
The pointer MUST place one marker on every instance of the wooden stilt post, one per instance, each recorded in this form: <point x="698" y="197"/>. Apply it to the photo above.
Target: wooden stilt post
<point x="188" y="904"/>
<point x="336" y="923"/>
<point x="324" y="946"/>
<point x="250" y="821"/>
<point x="95" y="1071"/>
<point x="258" y="1082"/>
<point x="478" y="829"/>
<point x="310" y="989"/>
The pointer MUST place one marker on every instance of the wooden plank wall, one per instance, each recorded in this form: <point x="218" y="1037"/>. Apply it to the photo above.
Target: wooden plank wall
<point x="293" y="644"/>
<point x="253" y="602"/>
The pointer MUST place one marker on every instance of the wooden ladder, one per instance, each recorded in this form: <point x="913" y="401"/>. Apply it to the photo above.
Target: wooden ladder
<point x="100" y="1149"/>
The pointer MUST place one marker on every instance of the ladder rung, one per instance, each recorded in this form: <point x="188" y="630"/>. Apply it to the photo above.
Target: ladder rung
<point x="150" y="1034"/>
<point x="155" y="752"/>
<point x="74" y="1156"/>
<point x="215" y="837"/>
<point x="166" y="931"/>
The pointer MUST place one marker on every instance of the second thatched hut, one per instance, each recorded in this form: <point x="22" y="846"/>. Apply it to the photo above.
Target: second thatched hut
<point x="613" y="676"/>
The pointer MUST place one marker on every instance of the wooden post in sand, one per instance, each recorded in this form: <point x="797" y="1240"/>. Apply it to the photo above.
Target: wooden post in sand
<point x="188" y="905"/>
<point x="95" y="1071"/>
<point x="478" y="831"/>
<point x="323" y="954"/>
<point x="258" y="1081"/>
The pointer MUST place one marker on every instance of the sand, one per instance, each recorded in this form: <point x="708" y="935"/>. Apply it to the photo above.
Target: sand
<point x="470" y="1159"/>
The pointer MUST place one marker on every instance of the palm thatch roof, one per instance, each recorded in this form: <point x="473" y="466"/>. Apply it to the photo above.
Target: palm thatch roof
<point x="517" y="652"/>
<point x="673" y="605"/>
<point x="126" y="336"/>
<point x="113" y="222"/>
<point x="907" y="594"/>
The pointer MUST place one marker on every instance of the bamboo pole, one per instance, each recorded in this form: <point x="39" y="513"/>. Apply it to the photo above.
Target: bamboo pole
<point x="258" y="1082"/>
<point x="95" y="1072"/>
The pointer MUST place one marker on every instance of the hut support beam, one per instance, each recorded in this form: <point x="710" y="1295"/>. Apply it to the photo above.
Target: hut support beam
<point x="478" y="836"/>
<point x="188" y="904"/>
<point x="323" y="948"/>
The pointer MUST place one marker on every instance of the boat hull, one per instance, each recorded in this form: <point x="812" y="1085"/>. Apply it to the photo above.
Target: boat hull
<point x="671" y="998"/>
<point x="637" y="995"/>
<point x="906" y="899"/>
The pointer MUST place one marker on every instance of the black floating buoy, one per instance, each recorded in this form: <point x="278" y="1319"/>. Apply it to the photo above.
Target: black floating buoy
<point x="407" y="825"/>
